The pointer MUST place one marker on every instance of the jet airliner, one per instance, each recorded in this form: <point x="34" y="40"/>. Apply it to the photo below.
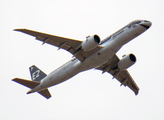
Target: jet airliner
<point x="92" y="53"/>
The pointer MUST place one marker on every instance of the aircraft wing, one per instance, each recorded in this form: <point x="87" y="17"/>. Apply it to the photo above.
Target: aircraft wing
<point x="122" y="76"/>
<point x="71" y="45"/>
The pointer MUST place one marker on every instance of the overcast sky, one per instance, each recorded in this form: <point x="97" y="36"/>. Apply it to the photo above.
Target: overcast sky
<point x="89" y="95"/>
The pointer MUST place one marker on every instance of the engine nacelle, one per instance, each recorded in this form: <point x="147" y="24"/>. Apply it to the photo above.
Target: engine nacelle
<point x="90" y="43"/>
<point x="126" y="61"/>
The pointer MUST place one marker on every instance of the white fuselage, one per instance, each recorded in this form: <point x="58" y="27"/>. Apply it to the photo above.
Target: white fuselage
<point x="110" y="46"/>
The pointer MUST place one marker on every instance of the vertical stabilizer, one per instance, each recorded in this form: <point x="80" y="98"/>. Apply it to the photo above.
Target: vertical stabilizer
<point x="36" y="73"/>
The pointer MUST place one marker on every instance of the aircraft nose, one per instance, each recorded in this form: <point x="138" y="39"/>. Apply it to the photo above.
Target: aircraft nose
<point x="146" y="24"/>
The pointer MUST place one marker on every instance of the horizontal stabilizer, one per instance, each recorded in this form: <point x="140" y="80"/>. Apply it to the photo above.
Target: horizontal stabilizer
<point x="27" y="83"/>
<point x="45" y="93"/>
<point x="32" y="84"/>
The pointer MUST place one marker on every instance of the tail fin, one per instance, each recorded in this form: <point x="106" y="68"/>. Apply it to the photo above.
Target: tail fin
<point x="36" y="74"/>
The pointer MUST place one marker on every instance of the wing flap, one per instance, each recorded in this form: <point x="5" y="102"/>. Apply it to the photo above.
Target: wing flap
<point x="125" y="79"/>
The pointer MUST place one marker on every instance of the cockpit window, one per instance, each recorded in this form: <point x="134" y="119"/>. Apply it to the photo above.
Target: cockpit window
<point x="134" y="22"/>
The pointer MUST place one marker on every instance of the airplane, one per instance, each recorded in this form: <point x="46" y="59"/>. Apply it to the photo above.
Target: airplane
<point x="92" y="53"/>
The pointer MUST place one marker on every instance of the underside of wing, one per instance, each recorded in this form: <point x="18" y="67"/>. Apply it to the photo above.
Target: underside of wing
<point x="122" y="76"/>
<point x="70" y="45"/>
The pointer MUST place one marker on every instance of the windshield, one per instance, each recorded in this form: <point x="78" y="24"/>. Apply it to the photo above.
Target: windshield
<point x="134" y="23"/>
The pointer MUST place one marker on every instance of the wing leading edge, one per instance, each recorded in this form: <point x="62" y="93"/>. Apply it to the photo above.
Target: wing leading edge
<point x="122" y="76"/>
<point x="70" y="45"/>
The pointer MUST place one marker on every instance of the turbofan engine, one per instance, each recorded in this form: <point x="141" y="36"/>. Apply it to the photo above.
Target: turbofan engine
<point x="126" y="61"/>
<point x="90" y="43"/>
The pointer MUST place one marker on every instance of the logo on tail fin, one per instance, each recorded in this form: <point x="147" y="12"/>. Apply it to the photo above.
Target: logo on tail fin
<point x="36" y="73"/>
